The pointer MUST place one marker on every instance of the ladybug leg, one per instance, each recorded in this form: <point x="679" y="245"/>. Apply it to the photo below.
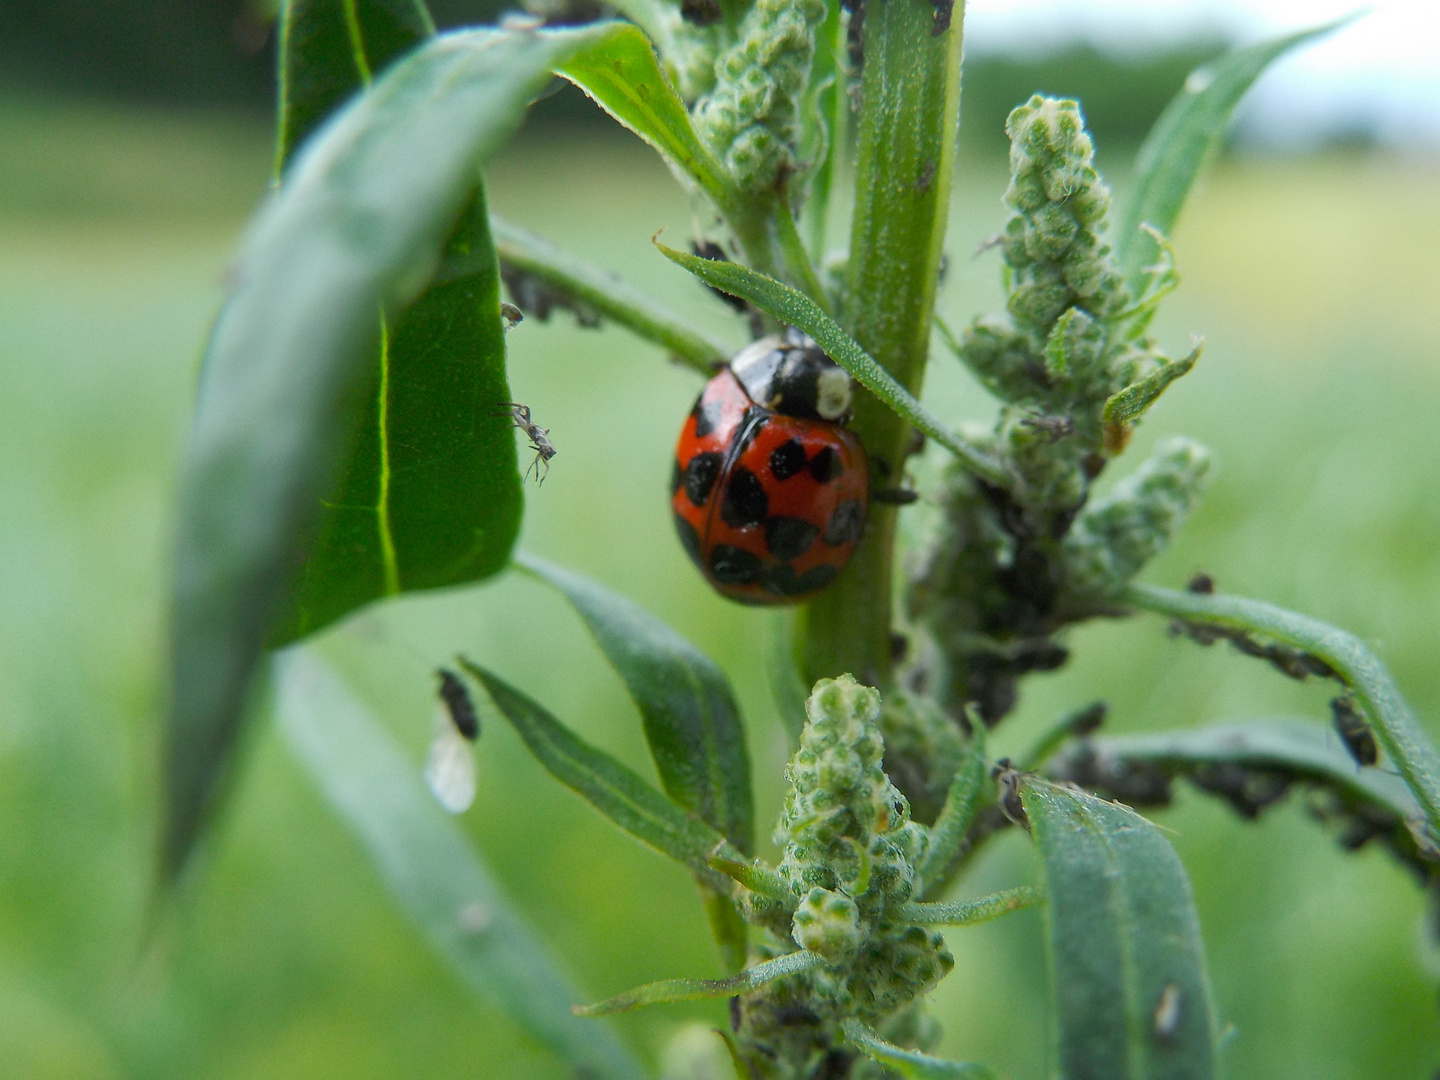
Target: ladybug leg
<point x="895" y="496"/>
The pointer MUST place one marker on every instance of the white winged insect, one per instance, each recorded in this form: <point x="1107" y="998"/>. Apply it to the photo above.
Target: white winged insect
<point x="450" y="764"/>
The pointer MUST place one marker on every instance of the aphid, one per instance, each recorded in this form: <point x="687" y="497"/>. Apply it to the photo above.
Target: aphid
<point x="511" y="314"/>
<point x="1201" y="583"/>
<point x="1166" y="1019"/>
<point x="1350" y="725"/>
<point x="539" y="439"/>
<point x="769" y="490"/>
<point x="450" y="764"/>
<point x="1007" y="777"/>
<point x="1055" y="427"/>
<point x="457" y="702"/>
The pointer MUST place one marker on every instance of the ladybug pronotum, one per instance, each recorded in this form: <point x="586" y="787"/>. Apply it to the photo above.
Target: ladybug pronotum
<point x="769" y="489"/>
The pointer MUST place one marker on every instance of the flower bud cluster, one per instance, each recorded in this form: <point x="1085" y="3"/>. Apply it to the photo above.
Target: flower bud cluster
<point x="749" y="118"/>
<point x="850" y="857"/>
<point x="1117" y="535"/>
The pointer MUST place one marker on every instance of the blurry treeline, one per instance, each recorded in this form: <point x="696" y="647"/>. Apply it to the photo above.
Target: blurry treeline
<point x="221" y="53"/>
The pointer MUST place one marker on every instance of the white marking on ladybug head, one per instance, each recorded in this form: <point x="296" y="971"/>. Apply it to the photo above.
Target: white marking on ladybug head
<point x="832" y="393"/>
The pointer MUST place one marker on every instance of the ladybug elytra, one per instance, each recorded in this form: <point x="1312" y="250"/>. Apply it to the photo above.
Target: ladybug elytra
<point x="770" y="490"/>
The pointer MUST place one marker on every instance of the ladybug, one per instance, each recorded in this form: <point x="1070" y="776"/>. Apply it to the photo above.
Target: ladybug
<point x="769" y="489"/>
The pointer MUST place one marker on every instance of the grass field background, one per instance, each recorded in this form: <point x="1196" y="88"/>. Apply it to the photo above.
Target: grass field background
<point x="1314" y="283"/>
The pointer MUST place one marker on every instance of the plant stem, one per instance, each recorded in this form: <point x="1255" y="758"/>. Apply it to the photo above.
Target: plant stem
<point x="904" y="165"/>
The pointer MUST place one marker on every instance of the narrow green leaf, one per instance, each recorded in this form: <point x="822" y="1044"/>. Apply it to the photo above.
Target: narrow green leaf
<point x="624" y="78"/>
<point x="912" y="1063"/>
<point x="430" y="494"/>
<point x="824" y="116"/>
<point x="608" y="295"/>
<point x="1132" y="1000"/>
<point x="691" y="720"/>
<point x="329" y="49"/>
<point x="1390" y="714"/>
<point x="970" y="912"/>
<point x="1191" y="128"/>
<point x="754" y="874"/>
<point x="669" y="990"/>
<point x="1075" y="723"/>
<point x="430" y="869"/>
<point x="605" y="783"/>
<point x="1300" y="749"/>
<point x="1127" y="405"/>
<point x="947" y="835"/>
<point x="357" y="228"/>
<point x="795" y="308"/>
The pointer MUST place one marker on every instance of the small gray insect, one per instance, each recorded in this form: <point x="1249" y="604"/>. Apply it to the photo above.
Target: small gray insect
<point x="539" y="439"/>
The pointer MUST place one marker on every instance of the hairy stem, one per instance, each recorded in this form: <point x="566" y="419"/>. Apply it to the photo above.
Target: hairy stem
<point x="905" y="157"/>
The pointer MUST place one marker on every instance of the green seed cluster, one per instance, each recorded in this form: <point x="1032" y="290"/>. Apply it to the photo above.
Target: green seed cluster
<point x="1117" y="535"/>
<point x="749" y="119"/>
<point x="850" y="857"/>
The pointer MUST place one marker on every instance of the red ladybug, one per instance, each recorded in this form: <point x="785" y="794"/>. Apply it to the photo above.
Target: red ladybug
<point x="769" y="490"/>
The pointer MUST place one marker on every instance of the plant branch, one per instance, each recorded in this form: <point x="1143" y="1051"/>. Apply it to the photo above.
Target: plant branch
<point x="1395" y="725"/>
<point x="668" y="990"/>
<point x="613" y="298"/>
<point x="969" y="912"/>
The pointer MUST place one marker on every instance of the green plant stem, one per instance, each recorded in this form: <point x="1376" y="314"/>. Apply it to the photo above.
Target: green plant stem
<point x="970" y="912"/>
<point x="904" y="163"/>
<point x="611" y="297"/>
<point x="1389" y="713"/>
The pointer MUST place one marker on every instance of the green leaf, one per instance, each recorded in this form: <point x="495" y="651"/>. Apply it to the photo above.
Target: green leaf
<point x="624" y="78"/>
<point x="357" y="228"/>
<point x="1191" y="128"/>
<point x="947" y="835"/>
<point x="605" y="783"/>
<point x="795" y="308"/>
<point x="912" y="1063"/>
<point x="971" y="912"/>
<point x="430" y="494"/>
<point x="609" y="296"/>
<point x="669" y="990"/>
<point x="1126" y="406"/>
<point x="329" y="49"/>
<point x="430" y="869"/>
<point x="691" y="720"/>
<point x="1132" y="1000"/>
<point x="824" y="115"/>
<point x="1301" y="749"/>
<point x="1390" y="714"/>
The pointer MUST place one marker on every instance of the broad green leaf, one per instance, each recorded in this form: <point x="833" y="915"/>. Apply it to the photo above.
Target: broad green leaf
<point x="795" y="308"/>
<point x="609" y="786"/>
<point x="329" y="49"/>
<point x="1389" y="713"/>
<point x="691" y="720"/>
<point x="357" y="228"/>
<point x="912" y="1064"/>
<point x="1132" y="1001"/>
<point x="608" y="295"/>
<point x="971" y="912"/>
<point x="429" y="495"/>
<point x="624" y="78"/>
<point x="669" y="990"/>
<point x="430" y="869"/>
<point x="1188" y="132"/>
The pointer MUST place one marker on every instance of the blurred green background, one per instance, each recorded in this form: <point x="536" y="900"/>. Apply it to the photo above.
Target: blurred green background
<point x="1313" y="281"/>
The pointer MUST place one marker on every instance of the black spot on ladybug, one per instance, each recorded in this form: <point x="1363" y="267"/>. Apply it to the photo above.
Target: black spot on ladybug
<point x="745" y="502"/>
<point x="789" y="537"/>
<point x="787" y="459"/>
<point x="734" y="566"/>
<point x="689" y="538"/>
<point x="845" y="523"/>
<point x="700" y="475"/>
<point x="707" y="415"/>
<point x="826" y="465"/>
<point x="783" y="580"/>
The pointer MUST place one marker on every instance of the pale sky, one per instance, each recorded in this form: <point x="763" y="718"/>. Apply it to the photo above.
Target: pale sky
<point x="1382" y="72"/>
